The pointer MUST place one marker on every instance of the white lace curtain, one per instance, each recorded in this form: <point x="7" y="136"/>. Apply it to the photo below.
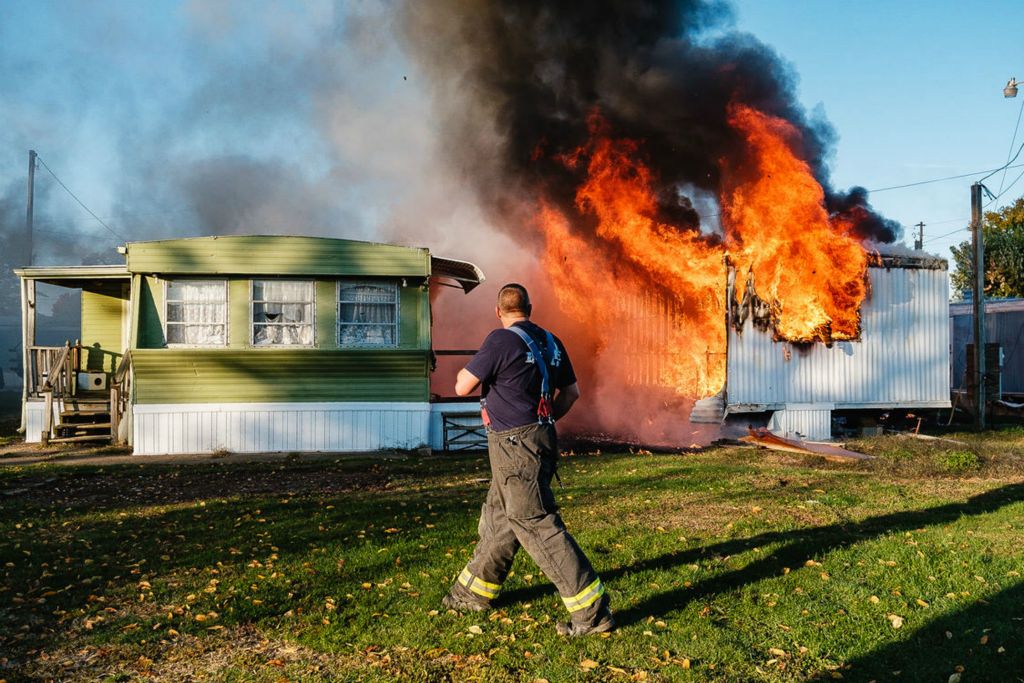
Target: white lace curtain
<point x="367" y="314"/>
<point x="196" y="312"/>
<point x="282" y="312"/>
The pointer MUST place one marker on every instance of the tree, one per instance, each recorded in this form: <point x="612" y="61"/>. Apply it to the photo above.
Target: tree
<point x="1004" y="255"/>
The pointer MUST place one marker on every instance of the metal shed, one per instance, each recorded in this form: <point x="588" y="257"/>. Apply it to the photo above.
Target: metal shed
<point x="901" y="359"/>
<point x="1004" y="325"/>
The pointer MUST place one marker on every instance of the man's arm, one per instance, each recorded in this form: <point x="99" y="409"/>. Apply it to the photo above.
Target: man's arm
<point x="564" y="399"/>
<point x="466" y="383"/>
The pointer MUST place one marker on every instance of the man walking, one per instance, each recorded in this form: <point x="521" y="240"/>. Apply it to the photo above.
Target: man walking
<point x="528" y="383"/>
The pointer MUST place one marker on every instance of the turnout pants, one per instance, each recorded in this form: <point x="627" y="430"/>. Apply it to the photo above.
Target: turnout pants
<point x="520" y="510"/>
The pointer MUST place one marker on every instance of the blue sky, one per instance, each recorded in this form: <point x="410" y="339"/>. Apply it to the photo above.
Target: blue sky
<point x="136" y="105"/>
<point x="914" y="90"/>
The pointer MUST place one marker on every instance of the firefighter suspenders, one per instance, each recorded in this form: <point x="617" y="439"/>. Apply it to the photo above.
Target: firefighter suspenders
<point x="545" y="415"/>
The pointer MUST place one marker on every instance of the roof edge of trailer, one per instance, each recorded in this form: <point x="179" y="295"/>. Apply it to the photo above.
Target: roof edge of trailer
<point x="52" y="273"/>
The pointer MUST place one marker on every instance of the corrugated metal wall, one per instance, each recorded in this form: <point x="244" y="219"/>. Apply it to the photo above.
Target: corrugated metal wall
<point x="902" y="358"/>
<point x="812" y="422"/>
<point x="259" y="427"/>
<point x="1004" y="325"/>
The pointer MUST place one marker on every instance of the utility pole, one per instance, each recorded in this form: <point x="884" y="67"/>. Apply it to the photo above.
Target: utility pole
<point x="31" y="199"/>
<point x="978" y="236"/>
<point x="919" y="242"/>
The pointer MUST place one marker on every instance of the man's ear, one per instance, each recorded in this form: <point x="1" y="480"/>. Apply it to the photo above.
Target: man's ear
<point x="497" y="312"/>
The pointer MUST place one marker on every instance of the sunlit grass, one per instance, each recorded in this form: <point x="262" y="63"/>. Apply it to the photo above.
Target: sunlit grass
<point x="732" y="564"/>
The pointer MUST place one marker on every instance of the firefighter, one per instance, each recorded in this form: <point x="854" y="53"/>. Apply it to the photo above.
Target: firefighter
<point x="527" y="383"/>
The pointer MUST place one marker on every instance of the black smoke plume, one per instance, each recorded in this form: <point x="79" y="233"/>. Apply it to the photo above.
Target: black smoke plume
<point x="522" y="77"/>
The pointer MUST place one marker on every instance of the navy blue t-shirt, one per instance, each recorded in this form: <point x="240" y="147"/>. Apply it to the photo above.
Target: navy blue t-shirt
<point x="511" y="386"/>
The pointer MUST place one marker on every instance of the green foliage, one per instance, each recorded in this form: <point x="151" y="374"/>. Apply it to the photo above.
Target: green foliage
<point x="956" y="462"/>
<point x="1004" y="255"/>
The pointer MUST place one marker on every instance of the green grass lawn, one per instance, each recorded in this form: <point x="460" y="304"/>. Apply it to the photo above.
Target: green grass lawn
<point x="725" y="565"/>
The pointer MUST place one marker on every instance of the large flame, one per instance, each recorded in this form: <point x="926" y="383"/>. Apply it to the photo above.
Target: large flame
<point x="806" y="266"/>
<point x="654" y="293"/>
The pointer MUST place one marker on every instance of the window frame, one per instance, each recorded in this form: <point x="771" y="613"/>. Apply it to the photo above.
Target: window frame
<point x="252" y="322"/>
<point x="227" y="313"/>
<point x="337" y="314"/>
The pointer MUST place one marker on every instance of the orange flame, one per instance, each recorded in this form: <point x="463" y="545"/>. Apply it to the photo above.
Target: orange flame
<point x="808" y="268"/>
<point x="667" y="282"/>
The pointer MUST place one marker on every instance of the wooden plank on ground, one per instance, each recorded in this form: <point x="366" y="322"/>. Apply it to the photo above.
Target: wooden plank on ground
<point x="765" y="439"/>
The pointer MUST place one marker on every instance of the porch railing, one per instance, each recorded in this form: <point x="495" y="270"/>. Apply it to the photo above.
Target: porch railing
<point x="57" y="381"/>
<point x="120" y="395"/>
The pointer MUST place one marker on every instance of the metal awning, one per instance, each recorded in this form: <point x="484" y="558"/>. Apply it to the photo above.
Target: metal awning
<point x="66" y="275"/>
<point x="464" y="273"/>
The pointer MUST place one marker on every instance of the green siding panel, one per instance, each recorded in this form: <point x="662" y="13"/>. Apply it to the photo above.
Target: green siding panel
<point x="279" y="375"/>
<point x="239" y="332"/>
<point x="151" y="306"/>
<point x="327" y="314"/>
<point x="277" y="255"/>
<point x="101" y="331"/>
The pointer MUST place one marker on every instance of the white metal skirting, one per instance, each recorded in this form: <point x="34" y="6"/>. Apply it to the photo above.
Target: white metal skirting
<point x="35" y="411"/>
<point x="810" y="422"/>
<point x="254" y="427"/>
<point x="901" y="359"/>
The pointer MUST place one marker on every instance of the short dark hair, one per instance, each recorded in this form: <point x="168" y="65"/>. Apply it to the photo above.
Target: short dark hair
<point x="513" y="298"/>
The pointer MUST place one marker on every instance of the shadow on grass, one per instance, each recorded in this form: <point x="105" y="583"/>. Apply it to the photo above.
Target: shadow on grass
<point x="935" y="651"/>
<point x="800" y="545"/>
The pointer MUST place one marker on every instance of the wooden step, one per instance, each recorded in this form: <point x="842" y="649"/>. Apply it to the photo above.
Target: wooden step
<point x="88" y="437"/>
<point x="84" y="413"/>
<point x="83" y="425"/>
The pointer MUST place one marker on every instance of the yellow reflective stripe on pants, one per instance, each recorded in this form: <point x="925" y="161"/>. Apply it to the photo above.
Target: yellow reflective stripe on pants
<point x="585" y="598"/>
<point x="477" y="585"/>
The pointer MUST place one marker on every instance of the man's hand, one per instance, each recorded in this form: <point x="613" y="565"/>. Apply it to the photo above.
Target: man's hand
<point x="564" y="400"/>
<point x="466" y="383"/>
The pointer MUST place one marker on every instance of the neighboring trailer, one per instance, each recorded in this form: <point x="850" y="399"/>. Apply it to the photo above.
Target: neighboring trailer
<point x="1004" y="325"/>
<point x="901" y="359"/>
<point x="246" y="344"/>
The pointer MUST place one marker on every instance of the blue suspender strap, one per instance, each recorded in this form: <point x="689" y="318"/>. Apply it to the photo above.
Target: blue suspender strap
<point x="544" y="409"/>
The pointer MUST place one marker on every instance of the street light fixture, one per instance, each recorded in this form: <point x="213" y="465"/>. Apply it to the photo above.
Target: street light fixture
<point x="1011" y="88"/>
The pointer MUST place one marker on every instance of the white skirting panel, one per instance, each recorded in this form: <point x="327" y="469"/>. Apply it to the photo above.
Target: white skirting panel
<point x="35" y="411"/>
<point x="254" y="427"/>
<point x="809" y="422"/>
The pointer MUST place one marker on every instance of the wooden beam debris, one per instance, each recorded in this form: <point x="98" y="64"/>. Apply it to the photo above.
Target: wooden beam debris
<point x="762" y="437"/>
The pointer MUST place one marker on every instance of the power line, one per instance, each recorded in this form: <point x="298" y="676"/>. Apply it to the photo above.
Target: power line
<point x="88" y="210"/>
<point x="1013" y="141"/>
<point x="939" y="180"/>
<point x="1007" y="189"/>
<point x="939" y="237"/>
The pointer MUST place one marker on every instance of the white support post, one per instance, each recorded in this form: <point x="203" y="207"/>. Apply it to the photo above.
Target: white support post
<point x="28" y="340"/>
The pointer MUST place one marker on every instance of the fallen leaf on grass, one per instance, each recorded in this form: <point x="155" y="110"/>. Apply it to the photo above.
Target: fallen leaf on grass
<point x="873" y="599"/>
<point x="475" y="630"/>
<point x="588" y="665"/>
<point x="896" y="620"/>
<point x="921" y="603"/>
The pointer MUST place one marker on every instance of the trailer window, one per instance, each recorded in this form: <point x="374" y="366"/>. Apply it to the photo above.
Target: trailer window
<point x="367" y="314"/>
<point x="282" y="313"/>
<point x="195" y="313"/>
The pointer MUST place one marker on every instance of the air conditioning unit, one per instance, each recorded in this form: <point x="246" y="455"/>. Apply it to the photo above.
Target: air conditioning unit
<point x="92" y="381"/>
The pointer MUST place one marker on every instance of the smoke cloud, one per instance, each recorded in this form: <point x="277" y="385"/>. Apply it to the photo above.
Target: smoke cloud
<point x="517" y="81"/>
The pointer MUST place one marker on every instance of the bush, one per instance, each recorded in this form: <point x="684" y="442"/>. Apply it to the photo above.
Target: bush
<point x="958" y="461"/>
